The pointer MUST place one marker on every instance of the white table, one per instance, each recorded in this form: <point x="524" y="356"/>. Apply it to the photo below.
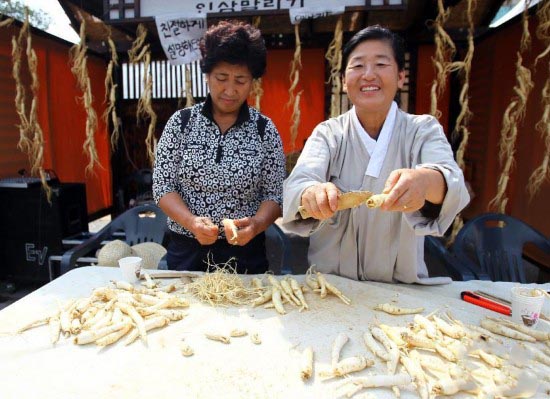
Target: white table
<point x="30" y="367"/>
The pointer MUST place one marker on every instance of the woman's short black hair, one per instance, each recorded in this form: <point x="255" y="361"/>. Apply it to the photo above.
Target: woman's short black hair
<point x="377" y="32"/>
<point x="236" y="43"/>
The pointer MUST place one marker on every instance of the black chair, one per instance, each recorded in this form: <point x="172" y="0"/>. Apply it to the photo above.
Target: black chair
<point x="442" y="262"/>
<point x="146" y="223"/>
<point x="143" y="223"/>
<point x="493" y="244"/>
<point x="278" y="250"/>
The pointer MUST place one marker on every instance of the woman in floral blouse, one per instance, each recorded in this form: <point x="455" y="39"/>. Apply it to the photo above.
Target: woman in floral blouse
<point x="221" y="159"/>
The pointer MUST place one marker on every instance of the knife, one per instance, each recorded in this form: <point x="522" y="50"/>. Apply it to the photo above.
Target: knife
<point x="493" y="298"/>
<point x="170" y="274"/>
<point x="486" y="303"/>
<point x="347" y="200"/>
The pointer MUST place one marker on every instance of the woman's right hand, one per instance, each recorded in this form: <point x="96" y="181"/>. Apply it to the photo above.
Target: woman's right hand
<point x="205" y="232"/>
<point x="320" y="200"/>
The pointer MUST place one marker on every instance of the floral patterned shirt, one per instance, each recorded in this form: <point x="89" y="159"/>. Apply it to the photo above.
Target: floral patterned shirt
<point x="219" y="175"/>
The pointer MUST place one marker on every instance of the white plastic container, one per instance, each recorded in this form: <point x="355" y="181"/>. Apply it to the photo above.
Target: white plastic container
<point x="130" y="267"/>
<point x="527" y="305"/>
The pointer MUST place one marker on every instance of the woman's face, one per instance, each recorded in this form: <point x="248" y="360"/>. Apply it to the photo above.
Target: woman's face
<point x="372" y="77"/>
<point x="230" y="85"/>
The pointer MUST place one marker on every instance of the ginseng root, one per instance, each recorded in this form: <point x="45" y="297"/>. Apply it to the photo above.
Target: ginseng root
<point x="307" y="363"/>
<point x="379" y="381"/>
<point x="348" y="365"/>
<point x="396" y="310"/>
<point x="337" y="345"/>
<point x="186" y="350"/>
<point x="496" y="328"/>
<point x="376" y="200"/>
<point x="230" y="227"/>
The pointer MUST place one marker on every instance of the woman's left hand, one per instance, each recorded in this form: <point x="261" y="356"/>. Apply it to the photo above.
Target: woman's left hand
<point x="406" y="189"/>
<point x="246" y="231"/>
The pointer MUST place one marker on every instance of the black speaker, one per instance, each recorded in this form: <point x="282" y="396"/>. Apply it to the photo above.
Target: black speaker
<point x="32" y="228"/>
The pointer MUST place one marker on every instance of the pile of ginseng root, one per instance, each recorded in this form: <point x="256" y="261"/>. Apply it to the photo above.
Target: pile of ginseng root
<point x="438" y="355"/>
<point x="124" y="311"/>
<point x="434" y="355"/>
<point x="111" y="313"/>
<point x="223" y="286"/>
<point x="288" y="290"/>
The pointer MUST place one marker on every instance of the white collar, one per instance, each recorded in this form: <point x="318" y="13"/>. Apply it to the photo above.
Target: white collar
<point x="377" y="149"/>
<point x="369" y="142"/>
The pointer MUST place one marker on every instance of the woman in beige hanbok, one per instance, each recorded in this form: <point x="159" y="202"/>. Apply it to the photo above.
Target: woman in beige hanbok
<point x="375" y="146"/>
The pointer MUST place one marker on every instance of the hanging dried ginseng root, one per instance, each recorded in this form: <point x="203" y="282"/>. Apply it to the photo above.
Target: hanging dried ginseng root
<point x="334" y="58"/>
<point x="25" y="143"/>
<point x="293" y="99"/>
<point x="463" y="120"/>
<point x="189" y="100"/>
<point x="542" y="172"/>
<point x="140" y="52"/>
<point x="543" y="28"/>
<point x="257" y="90"/>
<point x="80" y="71"/>
<point x="31" y="139"/>
<point x="512" y="116"/>
<point x="444" y="52"/>
<point x="295" y="66"/>
<point x="295" y="118"/>
<point x="110" y="92"/>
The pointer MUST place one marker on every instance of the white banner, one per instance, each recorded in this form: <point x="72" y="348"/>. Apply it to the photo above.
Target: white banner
<point x="151" y="8"/>
<point x="180" y="36"/>
<point x="299" y="14"/>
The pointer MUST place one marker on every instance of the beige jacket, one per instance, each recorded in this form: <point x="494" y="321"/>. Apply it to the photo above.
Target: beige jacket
<point x="366" y="244"/>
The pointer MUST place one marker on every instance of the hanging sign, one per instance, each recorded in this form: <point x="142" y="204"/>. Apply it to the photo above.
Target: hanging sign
<point x="298" y="14"/>
<point x="180" y="36"/>
<point x="154" y="7"/>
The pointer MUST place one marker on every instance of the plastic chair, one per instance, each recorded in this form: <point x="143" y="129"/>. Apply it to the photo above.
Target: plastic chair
<point x="278" y="250"/>
<point x="443" y="262"/>
<point x="143" y="223"/>
<point x="493" y="244"/>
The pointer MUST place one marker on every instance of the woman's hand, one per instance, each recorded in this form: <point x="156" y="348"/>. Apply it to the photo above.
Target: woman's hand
<point x="204" y="230"/>
<point x="408" y="189"/>
<point x="247" y="229"/>
<point x="320" y="200"/>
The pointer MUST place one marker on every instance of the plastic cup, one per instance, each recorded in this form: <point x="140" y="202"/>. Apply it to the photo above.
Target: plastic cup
<point x="130" y="268"/>
<point x="526" y="305"/>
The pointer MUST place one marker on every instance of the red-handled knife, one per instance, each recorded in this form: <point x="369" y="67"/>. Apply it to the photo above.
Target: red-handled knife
<point x="470" y="297"/>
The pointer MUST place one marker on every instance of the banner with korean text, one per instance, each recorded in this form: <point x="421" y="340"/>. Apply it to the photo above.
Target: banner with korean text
<point x="180" y="36"/>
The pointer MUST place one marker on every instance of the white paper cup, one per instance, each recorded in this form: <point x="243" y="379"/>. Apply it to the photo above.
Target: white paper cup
<point x="526" y="305"/>
<point x="130" y="268"/>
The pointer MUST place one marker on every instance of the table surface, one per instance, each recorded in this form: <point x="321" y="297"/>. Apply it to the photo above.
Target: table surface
<point x="31" y="367"/>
